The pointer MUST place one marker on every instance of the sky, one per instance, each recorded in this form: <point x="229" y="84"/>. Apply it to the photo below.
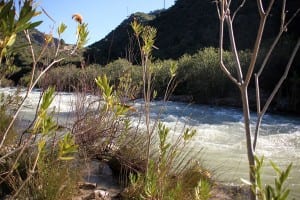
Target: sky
<point x="102" y="16"/>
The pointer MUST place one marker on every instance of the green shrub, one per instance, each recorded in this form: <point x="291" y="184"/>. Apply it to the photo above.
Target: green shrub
<point x="8" y="105"/>
<point x="163" y="74"/>
<point x="278" y="191"/>
<point x="169" y="175"/>
<point x="53" y="179"/>
<point x="4" y="82"/>
<point x="71" y="78"/>
<point x="40" y="166"/>
<point x="200" y="74"/>
<point x="120" y="68"/>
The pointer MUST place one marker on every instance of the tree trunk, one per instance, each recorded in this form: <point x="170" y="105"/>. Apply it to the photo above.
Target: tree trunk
<point x="250" y="152"/>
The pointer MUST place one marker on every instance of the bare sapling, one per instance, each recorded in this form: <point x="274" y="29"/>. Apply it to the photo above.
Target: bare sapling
<point x="226" y="18"/>
<point x="145" y="36"/>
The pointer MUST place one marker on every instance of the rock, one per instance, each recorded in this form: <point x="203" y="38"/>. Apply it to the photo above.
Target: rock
<point x="99" y="182"/>
<point x="84" y="195"/>
<point x="88" y="196"/>
<point x="101" y="195"/>
<point x="87" y="185"/>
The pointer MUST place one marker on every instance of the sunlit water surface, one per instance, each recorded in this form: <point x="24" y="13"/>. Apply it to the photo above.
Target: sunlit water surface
<point x="220" y="135"/>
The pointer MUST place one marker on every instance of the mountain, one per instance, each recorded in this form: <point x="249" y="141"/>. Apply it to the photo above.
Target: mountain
<point x="22" y="57"/>
<point x="22" y="53"/>
<point x="186" y="27"/>
<point x="119" y="42"/>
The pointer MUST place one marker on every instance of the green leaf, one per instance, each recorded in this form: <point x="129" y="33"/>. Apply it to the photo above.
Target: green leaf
<point x="66" y="158"/>
<point x="103" y="84"/>
<point x="188" y="134"/>
<point x="82" y="33"/>
<point x="277" y="185"/>
<point x="62" y="27"/>
<point x="137" y="28"/>
<point x="11" y="40"/>
<point x="34" y="24"/>
<point x="48" y="98"/>
<point x="67" y="147"/>
<point x="285" y="195"/>
<point x="173" y="69"/>
<point x="275" y="167"/>
<point x="269" y="192"/>
<point x="6" y="9"/>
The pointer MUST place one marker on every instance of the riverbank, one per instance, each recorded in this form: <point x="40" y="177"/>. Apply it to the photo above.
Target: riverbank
<point x="99" y="181"/>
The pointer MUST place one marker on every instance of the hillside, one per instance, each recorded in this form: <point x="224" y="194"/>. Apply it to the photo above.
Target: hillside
<point x="118" y="43"/>
<point x="23" y="54"/>
<point x="186" y="27"/>
<point x="22" y="57"/>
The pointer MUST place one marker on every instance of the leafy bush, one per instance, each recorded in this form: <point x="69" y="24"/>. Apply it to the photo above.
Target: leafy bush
<point x="71" y="78"/>
<point x="164" y="76"/>
<point x="120" y="72"/>
<point x="200" y="74"/>
<point x="52" y="179"/>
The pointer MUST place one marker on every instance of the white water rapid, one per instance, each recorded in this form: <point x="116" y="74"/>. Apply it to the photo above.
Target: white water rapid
<point x="220" y="134"/>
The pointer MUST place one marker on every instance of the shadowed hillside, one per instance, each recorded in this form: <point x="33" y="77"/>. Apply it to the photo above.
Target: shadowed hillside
<point x="186" y="27"/>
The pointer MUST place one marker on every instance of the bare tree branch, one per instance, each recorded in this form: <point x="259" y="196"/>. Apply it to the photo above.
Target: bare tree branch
<point x="274" y="92"/>
<point x="260" y="8"/>
<point x="263" y="18"/>
<point x="283" y="27"/>
<point x="238" y="9"/>
<point x="218" y="9"/>
<point x="234" y="49"/>
<point x="283" y="14"/>
<point x="270" y="7"/>
<point x="291" y="19"/>
<point x="258" y="108"/>
<point x="221" y="36"/>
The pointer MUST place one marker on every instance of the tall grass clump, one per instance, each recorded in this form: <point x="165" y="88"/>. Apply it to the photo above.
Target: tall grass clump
<point x="99" y="125"/>
<point x="170" y="175"/>
<point x="40" y="166"/>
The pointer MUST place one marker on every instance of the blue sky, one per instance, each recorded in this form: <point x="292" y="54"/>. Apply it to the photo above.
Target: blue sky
<point x="102" y="16"/>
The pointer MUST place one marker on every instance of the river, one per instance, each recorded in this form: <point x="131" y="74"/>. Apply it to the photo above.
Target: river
<point x="220" y="135"/>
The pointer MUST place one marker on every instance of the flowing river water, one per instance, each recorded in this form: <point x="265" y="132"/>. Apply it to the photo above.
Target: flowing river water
<point x="220" y="135"/>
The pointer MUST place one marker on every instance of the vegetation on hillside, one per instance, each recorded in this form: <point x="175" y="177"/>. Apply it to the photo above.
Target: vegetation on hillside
<point x="195" y="29"/>
<point x="187" y="27"/>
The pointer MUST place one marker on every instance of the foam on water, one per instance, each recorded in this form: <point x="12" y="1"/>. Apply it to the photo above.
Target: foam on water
<point x="220" y="134"/>
<point x="64" y="104"/>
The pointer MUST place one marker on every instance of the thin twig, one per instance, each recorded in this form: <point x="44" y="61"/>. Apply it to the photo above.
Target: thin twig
<point x="221" y="36"/>
<point x="275" y="90"/>
<point x="238" y="9"/>
<point x="31" y="172"/>
<point x="23" y="101"/>
<point x="234" y="49"/>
